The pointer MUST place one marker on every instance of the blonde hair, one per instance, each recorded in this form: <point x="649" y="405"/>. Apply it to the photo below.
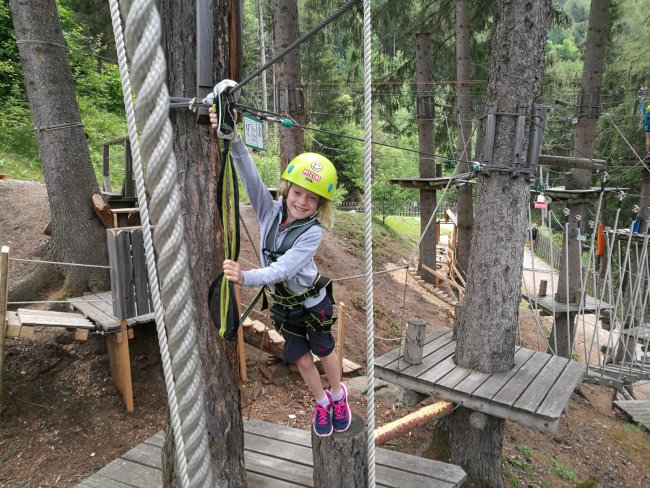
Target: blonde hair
<point x="324" y="212"/>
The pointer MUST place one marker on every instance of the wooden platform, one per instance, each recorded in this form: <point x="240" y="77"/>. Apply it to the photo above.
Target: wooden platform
<point x="534" y="392"/>
<point x="636" y="410"/>
<point x="577" y="195"/>
<point x="98" y="307"/>
<point x="625" y="236"/>
<point x="275" y="457"/>
<point x="548" y="305"/>
<point x="640" y="334"/>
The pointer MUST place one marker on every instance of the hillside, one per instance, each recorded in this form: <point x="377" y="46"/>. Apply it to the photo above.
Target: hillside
<point x="63" y="420"/>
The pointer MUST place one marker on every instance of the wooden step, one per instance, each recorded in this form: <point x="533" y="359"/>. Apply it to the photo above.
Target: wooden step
<point x="49" y="318"/>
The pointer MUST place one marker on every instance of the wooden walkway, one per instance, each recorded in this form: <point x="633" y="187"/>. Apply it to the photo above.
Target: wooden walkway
<point x="98" y="307"/>
<point x="547" y="305"/>
<point x="534" y="392"/>
<point x="636" y="410"/>
<point x="275" y="457"/>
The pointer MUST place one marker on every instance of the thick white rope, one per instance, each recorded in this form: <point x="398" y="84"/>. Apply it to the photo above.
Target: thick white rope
<point x="181" y="461"/>
<point x="367" y="211"/>
<point x="174" y="309"/>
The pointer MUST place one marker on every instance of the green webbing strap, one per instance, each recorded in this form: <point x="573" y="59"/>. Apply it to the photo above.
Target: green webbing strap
<point x="228" y="200"/>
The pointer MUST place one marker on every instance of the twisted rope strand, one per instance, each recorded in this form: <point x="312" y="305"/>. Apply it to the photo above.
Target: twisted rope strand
<point x="175" y="322"/>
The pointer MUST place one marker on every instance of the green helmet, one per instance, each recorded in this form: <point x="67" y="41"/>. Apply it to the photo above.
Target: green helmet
<point x="313" y="172"/>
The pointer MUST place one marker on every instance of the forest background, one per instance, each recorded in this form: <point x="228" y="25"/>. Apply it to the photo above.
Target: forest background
<point x="332" y="74"/>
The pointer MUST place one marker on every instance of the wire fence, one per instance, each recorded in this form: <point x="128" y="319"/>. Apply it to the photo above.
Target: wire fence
<point x="545" y="248"/>
<point x="399" y="208"/>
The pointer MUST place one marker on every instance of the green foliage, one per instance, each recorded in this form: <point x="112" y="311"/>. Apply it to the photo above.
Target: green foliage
<point x="563" y="471"/>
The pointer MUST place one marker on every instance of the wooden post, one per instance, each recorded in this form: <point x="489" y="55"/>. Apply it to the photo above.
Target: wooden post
<point x="243" y="373"/>
<point x="120" y="361"/>
<point x="342" y="458"/>
<point x="339" y="338"/>
<point x="4" y="268"/>
<point x="542" y="287"/>
<point x="415" y="335"/>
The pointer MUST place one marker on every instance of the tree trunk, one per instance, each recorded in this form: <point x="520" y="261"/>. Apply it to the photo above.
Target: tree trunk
<point x="197" y="179"/>
<point x="585" y="135"/>
<point x="464" y="202"/>
<point x="486" y="324"/>
<point x="425" y="114"/>
<point x="78" y="236"/>
<point x="288" y="86"/>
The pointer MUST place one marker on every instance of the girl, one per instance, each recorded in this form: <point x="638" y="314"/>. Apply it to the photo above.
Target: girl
<point x="291" y="229"/>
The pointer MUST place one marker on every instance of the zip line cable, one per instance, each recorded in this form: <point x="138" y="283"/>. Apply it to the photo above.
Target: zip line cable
<point x="273" y="117"/>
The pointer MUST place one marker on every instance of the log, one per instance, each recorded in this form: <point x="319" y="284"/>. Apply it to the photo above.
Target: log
<point x="415" y="336"/>
<point x="102" y="210"/>
<point x="342" y="458"/>
<point x="401" y="426"/>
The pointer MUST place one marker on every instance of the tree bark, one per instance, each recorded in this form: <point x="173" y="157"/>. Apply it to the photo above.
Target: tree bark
<point x="486" y="324"/>
<point x="425" y="114"/>
<point x="204" y="237"/>
<point x="464" y="201"/>
<point x="342" y="458"/>
<point x="78" y="236"/>
<point x="287" y="71"/>
<point x="585" y="135"/>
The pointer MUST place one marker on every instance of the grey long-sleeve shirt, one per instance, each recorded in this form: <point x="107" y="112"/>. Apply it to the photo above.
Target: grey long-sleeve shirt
<point x="296" y="268"/>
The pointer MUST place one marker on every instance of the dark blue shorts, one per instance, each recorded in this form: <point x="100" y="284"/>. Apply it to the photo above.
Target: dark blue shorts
<point x="314" y="334"/>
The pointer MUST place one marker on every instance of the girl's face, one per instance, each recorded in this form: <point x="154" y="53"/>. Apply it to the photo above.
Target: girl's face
<point x="301" y="203"/>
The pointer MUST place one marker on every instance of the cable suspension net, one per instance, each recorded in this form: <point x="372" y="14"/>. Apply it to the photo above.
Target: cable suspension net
<point x="174" y="309"/>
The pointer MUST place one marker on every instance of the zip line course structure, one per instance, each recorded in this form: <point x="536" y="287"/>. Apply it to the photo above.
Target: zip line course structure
<point x="192" y="460"/>
<point x="535" y="392"/>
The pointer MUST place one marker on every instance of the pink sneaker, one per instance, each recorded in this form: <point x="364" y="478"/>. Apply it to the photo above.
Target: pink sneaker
<point x="342" y="413"/>
<point x="323" y="420"/>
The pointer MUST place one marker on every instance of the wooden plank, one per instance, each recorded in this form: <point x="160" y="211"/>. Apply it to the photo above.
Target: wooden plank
<point x="434" y="470"/>
<point x="113" y="261"/>
<point x="145" y="454"/>
<point x="105" y="321"/>
<point x="454" y="377"/>
<point x="496" y="381"/>
<point x="636" y="410"/>
<point x="140" y="278"/>
<point x="125" y="279"/>
<point x="389" y="477"/>
<point x="476" y="379"/>
<point x="542" y="384"/>
<point x="299" y="475"/>
<point x="132" y="474"/>
<point x="99" y="481"/>
<point x="56" y="319"/>
<point x="395" y="354"/>
<point x="518" y="383"/>
<point x="254" y="480"/>
<point x="438" y="371"/>
<point x="558" y="398"/>
<point x="432" y="353"/>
